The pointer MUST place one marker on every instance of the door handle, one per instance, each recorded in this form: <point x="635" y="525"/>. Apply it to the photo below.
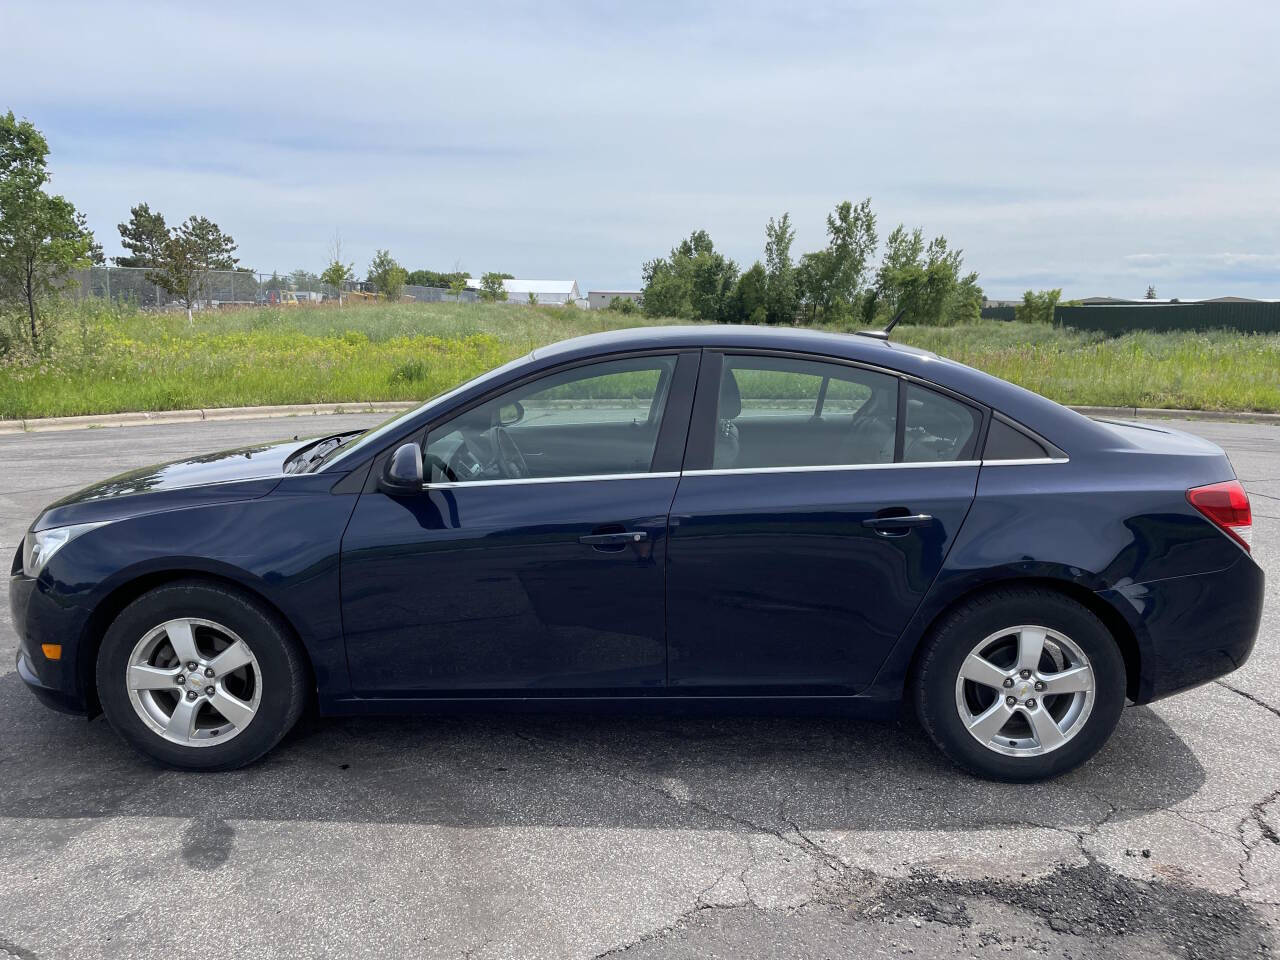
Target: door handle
<point x="891" y="526"/>
<point x="619" y="539"/>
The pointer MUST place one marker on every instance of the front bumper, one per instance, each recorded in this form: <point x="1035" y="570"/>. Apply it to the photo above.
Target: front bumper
<point x="1192" y="629"/>
<point x="38" y="619"/>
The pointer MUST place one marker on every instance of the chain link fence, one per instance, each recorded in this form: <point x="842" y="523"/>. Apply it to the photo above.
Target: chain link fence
<point x="235" y="288"/>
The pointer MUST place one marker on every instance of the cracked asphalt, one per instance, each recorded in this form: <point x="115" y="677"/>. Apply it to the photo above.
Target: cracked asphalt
<point x="579" y="837"/>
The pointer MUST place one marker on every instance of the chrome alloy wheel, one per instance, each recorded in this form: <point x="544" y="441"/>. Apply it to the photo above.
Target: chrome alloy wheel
<point x="194" y="682"/>
<point x="1025" y="691"/>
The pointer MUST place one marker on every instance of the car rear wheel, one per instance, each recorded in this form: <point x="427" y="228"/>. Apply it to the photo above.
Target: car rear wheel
<point x="200" y="676"/>
<point x="1020" y="684"/>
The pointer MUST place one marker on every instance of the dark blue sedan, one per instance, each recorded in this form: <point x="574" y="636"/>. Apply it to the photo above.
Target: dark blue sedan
<point x="713" y="516"/>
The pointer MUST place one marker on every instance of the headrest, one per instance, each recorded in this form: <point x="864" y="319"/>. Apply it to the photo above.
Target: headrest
<point x="730" y="397"/>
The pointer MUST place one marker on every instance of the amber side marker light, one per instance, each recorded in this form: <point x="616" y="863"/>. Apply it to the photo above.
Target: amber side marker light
<point x="52" y="651"/>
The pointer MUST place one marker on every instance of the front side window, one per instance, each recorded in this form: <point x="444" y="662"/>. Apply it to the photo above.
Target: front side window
<point x="783" y="412"/>
<point x="593" y="420"/>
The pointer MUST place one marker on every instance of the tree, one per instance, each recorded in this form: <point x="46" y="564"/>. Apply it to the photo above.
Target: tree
<point x="193" y="249"/>
<point x="1151" y="293"/>
<point x="533" y="299"/>
<point x="386" y="275"/>
<point x="337" y="273"/>
<point x="750" y="299"/>
<point x="458" y="284"/>
<point x="42" y="237"/>
<point x="1037" y="307"/>
<point x="143" y="236"/>
<point x="492" y="289"/>
<point x="623" y="305"/>
<point x="694" y="282"/>
<point x="780" y="298"/>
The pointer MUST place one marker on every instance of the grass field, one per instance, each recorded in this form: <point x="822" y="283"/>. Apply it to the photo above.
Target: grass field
<point x="104" y="360"/>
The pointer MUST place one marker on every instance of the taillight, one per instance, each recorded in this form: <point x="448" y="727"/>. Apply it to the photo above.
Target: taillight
<point x="1227" y="505"/>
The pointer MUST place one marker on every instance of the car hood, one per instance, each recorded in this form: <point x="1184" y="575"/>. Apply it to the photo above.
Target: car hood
<point x="241" y="474"/>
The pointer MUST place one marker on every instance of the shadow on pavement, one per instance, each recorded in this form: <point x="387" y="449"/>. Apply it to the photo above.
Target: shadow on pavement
<point x="763" y="773"/>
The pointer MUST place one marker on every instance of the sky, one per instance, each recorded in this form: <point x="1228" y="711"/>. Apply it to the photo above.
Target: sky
<point x="1095" y="147"/>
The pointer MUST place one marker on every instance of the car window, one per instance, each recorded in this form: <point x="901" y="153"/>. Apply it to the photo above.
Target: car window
<point x="1006" y="443"/>
<point x="593" y="420"/>
<point x="937" y="427"/>
<point x="784" y="412"/>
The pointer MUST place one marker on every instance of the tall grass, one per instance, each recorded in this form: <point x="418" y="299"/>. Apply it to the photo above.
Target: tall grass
<point x="98" y="358"/>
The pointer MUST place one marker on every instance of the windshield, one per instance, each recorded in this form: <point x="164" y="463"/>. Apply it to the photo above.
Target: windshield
<point x="373" y="436"/>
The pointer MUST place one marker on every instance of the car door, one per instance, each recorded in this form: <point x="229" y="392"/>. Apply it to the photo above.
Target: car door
<point x="533" y="563"/>
<point x="818" y="502"/>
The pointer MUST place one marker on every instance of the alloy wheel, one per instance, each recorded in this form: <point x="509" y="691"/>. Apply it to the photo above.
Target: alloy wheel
<point x="194" y="682"/>
<point x="1025" y="691"/>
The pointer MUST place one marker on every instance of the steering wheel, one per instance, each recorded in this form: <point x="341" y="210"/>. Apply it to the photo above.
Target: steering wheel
<point x="510" y="460"/>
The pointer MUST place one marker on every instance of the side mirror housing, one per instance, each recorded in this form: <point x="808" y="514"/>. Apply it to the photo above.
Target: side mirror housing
<point x="402" y="471"/>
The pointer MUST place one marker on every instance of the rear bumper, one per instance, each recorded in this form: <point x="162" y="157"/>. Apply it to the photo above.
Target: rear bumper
<point x="1193" y="629"/>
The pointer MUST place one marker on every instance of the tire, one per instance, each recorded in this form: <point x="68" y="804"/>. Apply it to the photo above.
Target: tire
<point x="1001" y="629"/>
<point x="189" y="719"/>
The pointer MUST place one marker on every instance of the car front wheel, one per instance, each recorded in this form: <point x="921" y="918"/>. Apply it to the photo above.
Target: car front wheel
<point x="1020" y="684"/>
<point x="200" y="676"/>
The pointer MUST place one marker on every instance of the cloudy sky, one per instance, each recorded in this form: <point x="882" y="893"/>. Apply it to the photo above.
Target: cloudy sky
<point x="1099" y="147"/>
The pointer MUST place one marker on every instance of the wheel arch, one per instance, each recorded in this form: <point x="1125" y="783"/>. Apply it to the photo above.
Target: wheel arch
<point x="1120" y="629"/>
<point x="122" y="594"/>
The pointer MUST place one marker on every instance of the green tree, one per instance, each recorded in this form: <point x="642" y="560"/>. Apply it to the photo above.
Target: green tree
<point x="781" y="299"/>
<point x="1151" y="293"/>
<point x="42" y="237"/>
<point x="143" y="236"/>
<point x="749" y="302"/>
<point x="924" y="281"/>
<point x="1037" y="306"/>
<point x="386" y="275"/>
<point x="458" y="284"/>
<point x="337" y="274"/>
<point x="623" y="305"/>
<point x="694" y="282"/>
<point x="831" y="280"/>
<point x="533" y="299"/>
<point x="192" y="250"/>
<point x="492" y="288"/>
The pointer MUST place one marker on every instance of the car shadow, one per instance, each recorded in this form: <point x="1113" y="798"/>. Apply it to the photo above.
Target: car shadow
<point x="485" y="770"/>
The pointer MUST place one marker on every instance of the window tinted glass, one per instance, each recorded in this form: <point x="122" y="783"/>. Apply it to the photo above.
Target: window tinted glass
<point x="779" y="412"/>
<point x="594" y="420"/>
<point x="1006" y="443"/>
<point x="938" y="428"/>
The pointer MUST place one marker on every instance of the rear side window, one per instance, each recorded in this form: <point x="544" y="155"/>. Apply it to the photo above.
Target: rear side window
<point x="786" y="412"/>
<point x="937" y="427"/>
<point x="1006" y="443"/>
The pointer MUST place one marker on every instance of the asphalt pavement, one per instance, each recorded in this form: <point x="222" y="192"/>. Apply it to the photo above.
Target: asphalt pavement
<point x="582" y="837"/>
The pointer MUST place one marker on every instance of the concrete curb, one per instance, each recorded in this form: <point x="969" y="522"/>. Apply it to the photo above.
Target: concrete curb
<point x="46" y="424"/>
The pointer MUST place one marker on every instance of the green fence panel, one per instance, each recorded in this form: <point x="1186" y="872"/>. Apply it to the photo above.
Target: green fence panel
<point x="1115" y="320"/>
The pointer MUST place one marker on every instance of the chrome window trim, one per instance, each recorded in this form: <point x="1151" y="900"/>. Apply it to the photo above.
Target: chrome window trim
<point x="1029" y="461"/>
<point x="832" y="467"/>
<point x="507" y="482"/>
<point x="732" y="471"/>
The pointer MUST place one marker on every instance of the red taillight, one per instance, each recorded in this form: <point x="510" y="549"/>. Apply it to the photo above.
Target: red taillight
<point x="1227" y="505"/>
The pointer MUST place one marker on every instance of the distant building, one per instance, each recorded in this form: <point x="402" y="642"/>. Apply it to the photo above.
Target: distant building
<point x="600" y="299"/>
<point x="1153" y="302"/>
<point x="546" y="291"/>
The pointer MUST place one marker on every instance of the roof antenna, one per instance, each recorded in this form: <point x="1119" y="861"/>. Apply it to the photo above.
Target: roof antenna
<point x="884" y="334"/>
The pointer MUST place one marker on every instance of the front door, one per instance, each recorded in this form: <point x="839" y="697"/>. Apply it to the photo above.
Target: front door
<point x="818" y="503"/>
<point x="534" y="562"/>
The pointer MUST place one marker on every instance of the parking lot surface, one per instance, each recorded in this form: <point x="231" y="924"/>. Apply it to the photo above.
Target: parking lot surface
<point x="579" y="837"/>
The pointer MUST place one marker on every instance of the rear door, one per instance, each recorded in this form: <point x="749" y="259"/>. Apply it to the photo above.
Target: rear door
<point x="818" y="502"/>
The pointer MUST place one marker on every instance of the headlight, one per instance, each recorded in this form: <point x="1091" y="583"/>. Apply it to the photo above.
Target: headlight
<point x="38" y="547"/>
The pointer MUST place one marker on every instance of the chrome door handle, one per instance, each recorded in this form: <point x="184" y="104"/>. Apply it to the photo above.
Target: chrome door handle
<point x="614" y="539"/>
<point x="893" y="524"/>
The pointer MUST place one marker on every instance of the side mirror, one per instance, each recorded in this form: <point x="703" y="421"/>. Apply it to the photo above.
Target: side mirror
<point x="509" y="414"/>
<point x="402" y="472"/>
